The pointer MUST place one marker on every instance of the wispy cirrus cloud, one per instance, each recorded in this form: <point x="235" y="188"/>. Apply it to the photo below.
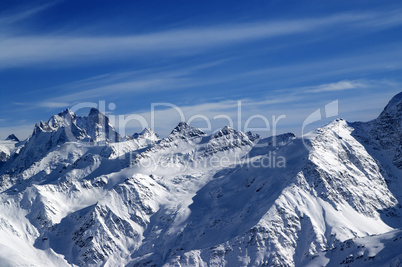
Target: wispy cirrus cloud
<point x="25" y="50"/>
<point x="251" y="114"/>
<point x="53" y="104"/>
<point x="337" y="86"/>
<point x="10" y="18"/>
<point x="295" y="104"/>
<point x="373" y="60"/>
<point x="128" y="83"/>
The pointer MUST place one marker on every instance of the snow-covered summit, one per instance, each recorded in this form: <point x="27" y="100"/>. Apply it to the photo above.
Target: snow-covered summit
<point x="384" y="135"/>
<point x="192" y="199"/>
<point x="183" y="129"/>
<point x="394" y="106"/>
<point x="147" y="133"/>
<point x="227" y="130"/>
<point x="63" y="119"/>
<point x="58" y="130"/>
<point x="390" y="118"/>
<point x="95" y="126"/>
<point x="98" y="127"/>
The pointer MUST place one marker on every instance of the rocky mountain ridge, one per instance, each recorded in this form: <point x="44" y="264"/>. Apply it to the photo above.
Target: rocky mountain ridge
<point x="77" y="194"/>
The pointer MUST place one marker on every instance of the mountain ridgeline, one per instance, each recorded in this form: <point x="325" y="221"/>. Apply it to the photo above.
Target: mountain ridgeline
<point x="76" y="193"/>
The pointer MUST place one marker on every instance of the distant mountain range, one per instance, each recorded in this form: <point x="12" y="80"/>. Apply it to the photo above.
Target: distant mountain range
<point x="77" y="193"/>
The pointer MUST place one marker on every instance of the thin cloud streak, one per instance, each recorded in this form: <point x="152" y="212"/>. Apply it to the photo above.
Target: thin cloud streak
<point x="50" y="104"/>
<point x="20" y="51"/>
<point x="15" y="17"/>
<point x="296" y="107"/>
<point x="105" y="85"/>
<point x="338" y="86"/>
<point x="365" y="61"/>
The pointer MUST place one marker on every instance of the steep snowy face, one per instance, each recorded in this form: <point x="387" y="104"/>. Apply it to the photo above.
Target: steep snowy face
<point x="58" y="130"/>
<point x="188" y="148"/>
<point x="387" y="129"/>
<point x="191" y="199"/>
<point x="61" y="128"/>
<point x="382" y="137"/>
<point x="385" y="132"/>
<point x="63" y="119"/>
<point x="148" y="134"/>
<point x="184" y="130"/>
<point x="394" y="107"/>
<point x="347" y="172"/>
<point x="95" y="126"/>
<point x="7" y="149"/>
<point x="98" y="127"/>
<point x="228" y="139"/>
<point x="46" y="136"/>
<point x="183" y="136"/>
<point x="372" y="250"/>
<point x="107" y="228"/>
<point x="281" y="215"/>
<point x="130" y="146"/>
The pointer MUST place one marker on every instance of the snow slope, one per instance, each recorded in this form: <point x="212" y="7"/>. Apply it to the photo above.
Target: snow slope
<point x="77" y="194"/>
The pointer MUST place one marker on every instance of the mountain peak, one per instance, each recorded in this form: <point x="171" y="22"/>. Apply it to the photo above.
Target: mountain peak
<point x="394" y="106"/>
<point x="62" y="119"/>
<point x="218" y="196"/>
<point x="226" y="130"/>
<point x="98" y="127"/>
<point x="182" y="125"/>
<point x="12" y="137"/>
<point x="146" y="133"/>
<point x="396" y="98"/>
<point x="97" y="116"/>
<point x="67" y="112"/>
<point x="184" y="129"/>
<point x="94" y="112"/>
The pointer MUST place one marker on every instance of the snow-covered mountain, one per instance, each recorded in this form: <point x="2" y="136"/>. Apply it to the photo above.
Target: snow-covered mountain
<point x="76" y="193"/>
<point x="9" y="147"/>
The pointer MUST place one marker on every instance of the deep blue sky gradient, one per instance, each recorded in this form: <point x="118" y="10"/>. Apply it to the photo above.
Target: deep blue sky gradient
<point x="278" y="57"/>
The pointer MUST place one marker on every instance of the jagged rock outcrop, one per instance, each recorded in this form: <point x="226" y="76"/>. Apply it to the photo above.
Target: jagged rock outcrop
<point x="76" y="194"/>
<point x="12" y="137"/>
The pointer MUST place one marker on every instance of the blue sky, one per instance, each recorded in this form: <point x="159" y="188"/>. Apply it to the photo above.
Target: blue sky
<point x="276" y="57"/>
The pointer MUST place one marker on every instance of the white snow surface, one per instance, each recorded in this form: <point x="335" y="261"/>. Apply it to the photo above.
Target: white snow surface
<point x="77" y="194"/>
